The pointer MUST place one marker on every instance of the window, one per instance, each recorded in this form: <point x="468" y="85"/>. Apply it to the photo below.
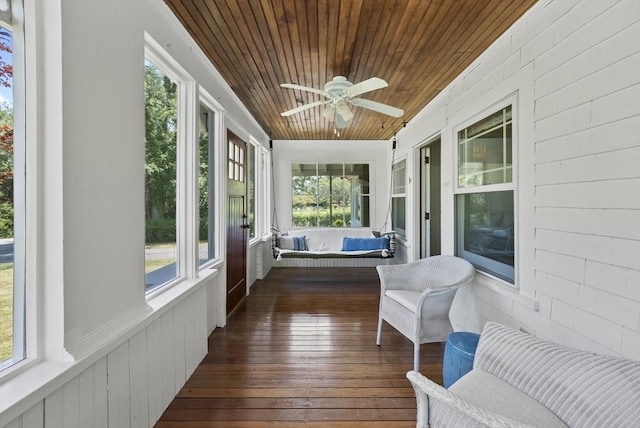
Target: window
<point x="12" y="201"/>
<point x="485" y="220"/>
<point x="161" y="147"/>
<point x="251" y="189"/>
<point x="206" y="124"/>
<point x="330" y="195"/>
<point x="398" y="197"/>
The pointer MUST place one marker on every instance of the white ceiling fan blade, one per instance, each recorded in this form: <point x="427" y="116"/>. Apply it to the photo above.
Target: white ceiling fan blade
<point x="379" y="107"/>
<point x="366" y="86"/>
<point x="303" y="108"/>
<point x="303" y="88"/>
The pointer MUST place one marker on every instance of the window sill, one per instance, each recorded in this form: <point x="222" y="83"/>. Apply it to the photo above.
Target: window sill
<point x="506" y="289"/>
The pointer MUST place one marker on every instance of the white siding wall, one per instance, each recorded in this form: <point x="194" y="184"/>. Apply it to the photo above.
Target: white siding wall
<point x="575" y="66"/>
<point x="108" y="354"/>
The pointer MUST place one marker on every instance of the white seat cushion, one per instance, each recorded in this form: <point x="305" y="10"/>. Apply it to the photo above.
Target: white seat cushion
<point x="407" y="298"/>
<point x="492" y="393"/>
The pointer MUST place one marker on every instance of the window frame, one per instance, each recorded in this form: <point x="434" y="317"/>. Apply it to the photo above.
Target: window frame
<point x="213" y="203"/>
<point x="252" y="164"/>
<point x="510" y="100"/>
<point x="399" y="195"/>
<point x="24" y="348"/>
<point x="187" y="265"/>
<point x="355" y="223"/>
<point x="217" y="167"/>
<point x="261" y="189"/>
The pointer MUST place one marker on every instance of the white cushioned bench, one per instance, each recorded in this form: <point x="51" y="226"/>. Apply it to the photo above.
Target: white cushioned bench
<point x="328" y="243"/>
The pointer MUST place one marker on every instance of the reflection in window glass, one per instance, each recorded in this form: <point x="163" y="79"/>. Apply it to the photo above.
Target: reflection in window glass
<point x="205" y="129"/>
<point x="485" y="231"/>
<point x="12" y="332"/>
<point x="161" y="121"/>
<point x="484" y="151"/>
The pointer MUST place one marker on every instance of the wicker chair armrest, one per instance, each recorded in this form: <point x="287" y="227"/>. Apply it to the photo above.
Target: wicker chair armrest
<point x="427" y="390"/>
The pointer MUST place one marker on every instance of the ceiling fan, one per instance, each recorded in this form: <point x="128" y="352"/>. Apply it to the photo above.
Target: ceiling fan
<point x="340" y="93"/>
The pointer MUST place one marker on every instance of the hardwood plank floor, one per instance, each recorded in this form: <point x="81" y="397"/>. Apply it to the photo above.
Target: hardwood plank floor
<point x="301" y="351"/>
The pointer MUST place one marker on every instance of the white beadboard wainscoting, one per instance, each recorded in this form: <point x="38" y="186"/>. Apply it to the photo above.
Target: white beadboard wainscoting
<point x="135" y="380"/>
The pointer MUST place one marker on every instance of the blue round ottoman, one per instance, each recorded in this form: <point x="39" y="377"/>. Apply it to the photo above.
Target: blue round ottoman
<point x="458" y="356"/>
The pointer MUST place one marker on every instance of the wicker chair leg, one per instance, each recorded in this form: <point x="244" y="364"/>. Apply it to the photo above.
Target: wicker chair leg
<point x="379" y="335"/>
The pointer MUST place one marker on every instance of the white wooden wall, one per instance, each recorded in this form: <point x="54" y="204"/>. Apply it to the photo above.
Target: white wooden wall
<point x="575" y="66"/>
<point x="133" y="384"/>
<point x="263" y="258"/>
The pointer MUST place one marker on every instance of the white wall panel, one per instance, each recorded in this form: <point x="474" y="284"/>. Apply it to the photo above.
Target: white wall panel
<point x="138" y="386"/>
<point x="169" y="386"/>
<point x="601" y="139"/>
<point x="54" y="409"/>
<point x="201" y="333"/>
<point x="118" y="387"/>
<point x="34" y="417"/>
<point x="189" y="334"/>
<point x="579" y="221"/>
<point x="16" y="423"/>
<point x="154" y="370"/>
<point x="179" y="343"/>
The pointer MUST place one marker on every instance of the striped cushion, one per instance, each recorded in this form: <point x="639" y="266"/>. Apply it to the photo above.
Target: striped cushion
<point x="300" y="243"/>
<point x="583" y="389"/>
<point x="492" y="393"/>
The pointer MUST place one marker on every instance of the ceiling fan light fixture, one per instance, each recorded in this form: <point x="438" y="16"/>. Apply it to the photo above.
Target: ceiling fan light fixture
<point x="343" y="110"/>
<point x="328" y="112"/>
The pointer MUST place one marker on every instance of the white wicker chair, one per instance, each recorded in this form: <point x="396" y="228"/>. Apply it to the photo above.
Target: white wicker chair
<point x="415" y="298"/>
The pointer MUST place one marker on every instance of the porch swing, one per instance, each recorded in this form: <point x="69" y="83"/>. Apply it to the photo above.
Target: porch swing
<point x="331" y="242"/>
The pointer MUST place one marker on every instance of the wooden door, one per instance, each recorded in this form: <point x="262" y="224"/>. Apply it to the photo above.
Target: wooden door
<point x="237" y="222"/>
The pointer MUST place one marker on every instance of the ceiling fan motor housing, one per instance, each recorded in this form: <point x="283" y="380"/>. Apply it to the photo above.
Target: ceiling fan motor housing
<point x="338" y="86"/>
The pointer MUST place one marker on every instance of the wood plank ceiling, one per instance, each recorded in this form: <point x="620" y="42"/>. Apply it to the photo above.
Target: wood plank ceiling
<point x="417" y="46"/>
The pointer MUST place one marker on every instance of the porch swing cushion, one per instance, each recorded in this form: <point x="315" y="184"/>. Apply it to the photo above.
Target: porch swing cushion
<point x="328" y="243"/>
<point x="359" y="244"/>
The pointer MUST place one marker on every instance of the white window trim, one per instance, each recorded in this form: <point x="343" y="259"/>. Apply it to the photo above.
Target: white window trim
<point x="261" y="189"/>
<point x="513" y="101"/>
<point x="402" y="235"/>
<point x="186" y="165"/>
<point x="255" y="146"/>
<point x="371" y="192"/>
<point x="218" y="177"/>
<point x="25" y="193"/>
